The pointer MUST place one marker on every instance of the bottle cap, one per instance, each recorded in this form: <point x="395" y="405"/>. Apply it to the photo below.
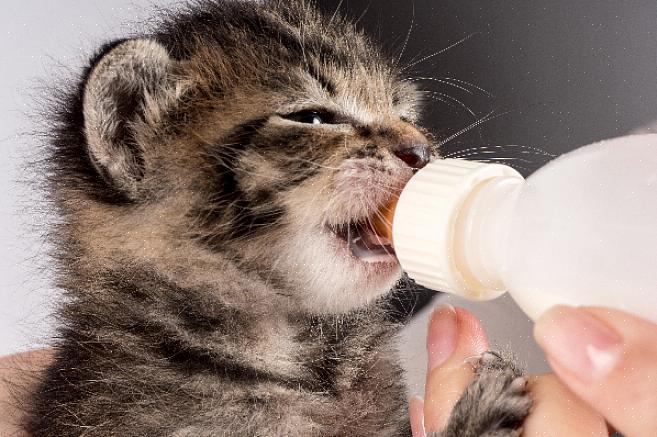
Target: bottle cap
<point x="425" y="219"/>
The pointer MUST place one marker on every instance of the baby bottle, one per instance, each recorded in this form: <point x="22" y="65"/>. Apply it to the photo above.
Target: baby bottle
<point x="580" y="231"/>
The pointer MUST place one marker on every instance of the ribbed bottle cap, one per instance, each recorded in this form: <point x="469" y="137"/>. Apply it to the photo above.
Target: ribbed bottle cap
<point x="425" y="218"/>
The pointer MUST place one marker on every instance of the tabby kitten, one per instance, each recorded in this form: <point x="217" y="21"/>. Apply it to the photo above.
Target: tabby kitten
<point x="216" y="177"/>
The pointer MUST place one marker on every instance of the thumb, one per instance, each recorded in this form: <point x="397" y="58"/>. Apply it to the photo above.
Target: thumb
<point x="454" y="335"/>
<point x="609" y="359"/>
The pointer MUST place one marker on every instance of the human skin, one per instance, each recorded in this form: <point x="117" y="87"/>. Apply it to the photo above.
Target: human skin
<point x="604" y="364"/>
<point x="17" y="373"/>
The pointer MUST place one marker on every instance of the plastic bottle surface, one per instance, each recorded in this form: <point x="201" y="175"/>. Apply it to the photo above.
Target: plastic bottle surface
<point x="582" y="230"/>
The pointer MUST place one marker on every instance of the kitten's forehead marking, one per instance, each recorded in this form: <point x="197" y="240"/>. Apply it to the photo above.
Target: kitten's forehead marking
<point x="347" y="98"/>
<point x="323" y="80"/>
<point x="364" y="93"/>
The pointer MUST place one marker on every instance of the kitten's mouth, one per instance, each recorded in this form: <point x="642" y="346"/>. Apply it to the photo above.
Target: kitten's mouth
<point x="364" y="242"/>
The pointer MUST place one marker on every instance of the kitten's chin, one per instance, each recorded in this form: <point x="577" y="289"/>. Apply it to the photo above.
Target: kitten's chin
<point x="330" y="278"/>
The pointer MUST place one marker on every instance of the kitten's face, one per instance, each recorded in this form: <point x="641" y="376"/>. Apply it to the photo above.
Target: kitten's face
<point x="274" y="149"/>
<point x="313" y="174"/>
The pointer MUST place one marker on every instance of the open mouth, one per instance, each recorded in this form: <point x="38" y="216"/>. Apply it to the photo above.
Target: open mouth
<point x="365" y="243"/>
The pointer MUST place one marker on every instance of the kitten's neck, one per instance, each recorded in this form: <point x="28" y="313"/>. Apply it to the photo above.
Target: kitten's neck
<point x="223" y="327"/>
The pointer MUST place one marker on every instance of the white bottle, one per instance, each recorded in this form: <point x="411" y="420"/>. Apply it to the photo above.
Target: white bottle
<point x="580" y="231"/>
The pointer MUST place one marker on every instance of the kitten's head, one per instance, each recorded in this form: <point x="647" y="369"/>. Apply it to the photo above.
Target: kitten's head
<point x="259" y="132"/>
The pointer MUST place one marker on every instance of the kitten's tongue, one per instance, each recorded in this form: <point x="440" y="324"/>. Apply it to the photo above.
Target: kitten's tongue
<point x="368" y="246"/>
<point x="371" y="238"/>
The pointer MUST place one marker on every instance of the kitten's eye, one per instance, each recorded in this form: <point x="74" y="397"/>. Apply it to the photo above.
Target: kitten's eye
<point x="308" y="117"/>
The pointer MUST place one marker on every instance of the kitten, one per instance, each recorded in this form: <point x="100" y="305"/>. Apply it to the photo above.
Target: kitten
<point x="216" y="177"/>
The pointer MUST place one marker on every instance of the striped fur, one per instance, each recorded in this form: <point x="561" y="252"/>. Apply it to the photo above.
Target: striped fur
<point x="205" y="292"/>
<point x="208" y="292"/>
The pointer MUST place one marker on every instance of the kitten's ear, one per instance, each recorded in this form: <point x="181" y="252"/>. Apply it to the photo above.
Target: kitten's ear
<point x="119" y="87"/>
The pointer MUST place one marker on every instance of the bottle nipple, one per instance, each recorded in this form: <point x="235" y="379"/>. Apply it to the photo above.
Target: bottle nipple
<point x="382" y="223"/>
<point x="427" y="241"/>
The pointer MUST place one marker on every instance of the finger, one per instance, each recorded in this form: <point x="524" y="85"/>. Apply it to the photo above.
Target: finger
<point x="609" y="359"/>
<point x="416" y="407"/>
<point x="453" y="337"/>
<point x="559" y="412"/>
<point x="17" y="373"/>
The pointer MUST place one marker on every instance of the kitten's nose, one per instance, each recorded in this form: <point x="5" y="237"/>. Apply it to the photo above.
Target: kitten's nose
<point x="416" y="156"/>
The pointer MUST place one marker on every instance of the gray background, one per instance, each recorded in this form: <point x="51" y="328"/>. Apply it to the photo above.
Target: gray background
<point x="568" y="72"/>
<point x="42" y="41"/>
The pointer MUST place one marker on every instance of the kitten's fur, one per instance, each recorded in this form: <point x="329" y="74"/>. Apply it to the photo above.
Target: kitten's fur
<point x="207" y="291"/>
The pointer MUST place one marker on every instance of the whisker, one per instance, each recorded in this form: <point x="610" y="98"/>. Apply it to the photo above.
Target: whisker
<point x="486" y="118"/>
<point x="335" y="13"/>
<point x="464" y="82"/>
<point x="441" y="81"/>
<point x="419" y="61"/>
<point x="449" y="99"/>
<point x="460" y="84"/>
<point x="408" y="36"/>
<point x="496" y="158"/>
<point x="367" y="8"/>
<point x="525" y="150"/>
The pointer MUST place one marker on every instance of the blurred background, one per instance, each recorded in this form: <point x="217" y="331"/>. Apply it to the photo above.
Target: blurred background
<point x="544" y="77"/>
<point x="568" y="73"/>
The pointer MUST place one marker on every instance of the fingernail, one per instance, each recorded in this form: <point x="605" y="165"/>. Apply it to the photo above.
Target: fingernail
<point x="442" y="335"/>
<point x="579" y="342"/>
<point x="416" y="411"/>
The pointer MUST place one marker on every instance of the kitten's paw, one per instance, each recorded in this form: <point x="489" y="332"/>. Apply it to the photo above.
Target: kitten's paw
<point x="495" y="403"/>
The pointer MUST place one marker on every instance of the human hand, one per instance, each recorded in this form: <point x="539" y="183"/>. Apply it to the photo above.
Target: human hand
<point x="608" y="358"/>
<point x="17" y="372"/>
<point x="456" y="335"/>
